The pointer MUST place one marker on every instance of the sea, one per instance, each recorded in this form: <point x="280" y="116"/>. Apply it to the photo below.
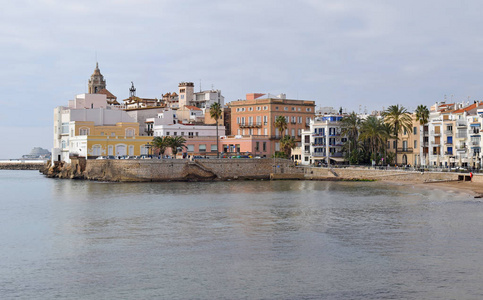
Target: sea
<point x="72" y="239"/>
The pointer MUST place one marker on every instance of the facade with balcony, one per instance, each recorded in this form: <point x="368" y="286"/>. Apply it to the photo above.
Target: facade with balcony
<point x="322" y="142"/>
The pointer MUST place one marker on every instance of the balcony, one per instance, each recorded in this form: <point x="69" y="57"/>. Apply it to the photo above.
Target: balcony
<point x="318" y="154"/>
<point x="448" y="142"/>
<point x="475" y="143"/>
<point x="405" y="150"/>
<point x="251" y="125"/>
<point x="461" y="124"/>
<point x="425" y="144"/>
<point x="461" y="150"/>
<point x="425" y="133"/>
<point x="448" y="153"/>
<point x="435" y="133"/>
<point x="448" y="132"/>
<point x="461" y="135"/>
<point x="317" y="145"/>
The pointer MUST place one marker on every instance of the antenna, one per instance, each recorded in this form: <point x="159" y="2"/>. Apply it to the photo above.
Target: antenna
<point x="200" y="85"/>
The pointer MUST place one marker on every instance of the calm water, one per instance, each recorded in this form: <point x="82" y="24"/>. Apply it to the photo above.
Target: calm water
<point x="236" y="240"/>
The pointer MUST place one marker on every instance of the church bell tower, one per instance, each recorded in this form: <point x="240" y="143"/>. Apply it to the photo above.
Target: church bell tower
<point x="97" y="82"/>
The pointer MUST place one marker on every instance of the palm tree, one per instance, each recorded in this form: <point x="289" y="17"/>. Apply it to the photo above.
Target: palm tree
<point x="422" y="115"/>
<point x="400" y="119"/>
<point x="373" y="131"/>
<point x="176" y="142"/>
<point x="281" y="124"/>
<point x="161" y="143"/>
<point x="287" y="143"/>
<point x="350" y="128"/>
<point x="216" y="113"/>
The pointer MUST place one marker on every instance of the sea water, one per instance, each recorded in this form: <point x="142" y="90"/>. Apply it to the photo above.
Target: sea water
<point x="72" y="239"/>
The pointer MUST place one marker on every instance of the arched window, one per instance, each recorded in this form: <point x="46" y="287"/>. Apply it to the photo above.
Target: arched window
<point x="64" y="144"/>
<point x="130" y="132"/>
<point x="84" y="131"/>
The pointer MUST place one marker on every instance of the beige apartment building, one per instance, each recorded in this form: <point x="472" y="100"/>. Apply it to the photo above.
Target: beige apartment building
<point x="410" y="144"/>
<point x="256" y="116"/>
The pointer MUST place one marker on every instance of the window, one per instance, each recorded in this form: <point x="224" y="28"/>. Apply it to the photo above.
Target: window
<point x="265" y="120"/>
<point x="131" y="150"/>
<point x="175" y="133"/>
<point x="238" y="109"/>
<point x="277" y="146"/>
<point x="130" y="132"/>
<point x="213" y="148"/>
<point x="415" y="131"/>
<point x="96" y="150"/>
<point x="259" y="120"/>
<point x="182" y="132"/>
<point x="293" y="108"/>
<point x="65" y="128"/>
<point x="257" y="146"/>
<point x="64" y="144"/>
<point x="285" y="108"/>
<point x="309" y="109"/>
<point x="293" y="132"/>
<point x="113" y="134"/>
<point x="102" y="133"/>
<point x="167" y="132"/>
<point x="264" y="146"/>
<point x="265" y="131"/>
<point x="415" y="144"/>
<point x="238" y="120"/>
<point x="394" y="144"/>
<point x="191" y="148"/>
<point x="265" y="108"/>
<point x="276" y="107"/>
<point x="190" y="134"/>
<point x="259" y="108"/>
<point x="202" y="147"/>
<point x="250" y="109"/>
<point x="110" y="150"/>
<point x="197" y="133"/>
<point x="300" y="120"/>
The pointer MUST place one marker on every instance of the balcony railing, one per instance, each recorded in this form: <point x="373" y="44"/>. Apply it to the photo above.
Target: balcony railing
<point x="475" y="143"/>
<point x="405" y="150"/>
<point x="448" y="132"/>
<point x="435" y="133"/>
<point x="425" y="144"/>
<point x="251" y="125"/>
<point x="425" y="133"/>
<point x="461" y="124"/>
<point x="461" y="135"/>
<point x="448" y="153"/>
<point x="448" y="142"/>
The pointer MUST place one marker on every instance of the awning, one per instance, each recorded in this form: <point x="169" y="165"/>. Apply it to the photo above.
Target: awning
<point x="475" y="125"/>
<point x="339" y="159"/>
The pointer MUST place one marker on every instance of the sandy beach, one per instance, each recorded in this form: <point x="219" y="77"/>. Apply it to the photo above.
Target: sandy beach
<point x="472" y="188"/>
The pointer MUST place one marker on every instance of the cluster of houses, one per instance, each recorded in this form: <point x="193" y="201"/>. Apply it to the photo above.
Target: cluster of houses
<point x="96" y="124"/>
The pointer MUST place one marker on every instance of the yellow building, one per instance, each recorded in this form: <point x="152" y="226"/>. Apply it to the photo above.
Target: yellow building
<point x="119" y="139"/>
<point x="408" y="145"/>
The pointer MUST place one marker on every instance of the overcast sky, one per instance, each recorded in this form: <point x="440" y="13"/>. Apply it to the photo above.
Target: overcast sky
<point x="339" y="53"/>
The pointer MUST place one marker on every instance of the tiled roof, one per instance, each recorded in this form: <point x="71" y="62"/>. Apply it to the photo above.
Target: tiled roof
<point x="107" y="93"/>
<point x="461" y="110"/>
<point x="190" y="107"/>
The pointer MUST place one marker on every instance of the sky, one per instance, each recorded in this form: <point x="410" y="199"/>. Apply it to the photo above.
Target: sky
<point x="359" y="55"/>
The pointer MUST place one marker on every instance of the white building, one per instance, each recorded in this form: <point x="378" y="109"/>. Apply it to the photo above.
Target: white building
<point x="202" y="99"/>
<point x="323" y="137"/>
<point x="165" y="124"/>
<point x="84" y="108"/>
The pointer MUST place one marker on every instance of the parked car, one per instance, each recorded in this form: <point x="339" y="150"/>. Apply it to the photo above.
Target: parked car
<point x="101" y="157"/>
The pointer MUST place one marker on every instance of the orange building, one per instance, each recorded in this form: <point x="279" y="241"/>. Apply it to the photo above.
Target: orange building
<point x="256" y="116"/>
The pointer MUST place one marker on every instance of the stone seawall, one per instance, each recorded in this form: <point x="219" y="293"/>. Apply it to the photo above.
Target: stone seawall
<point x="371" y="174"/>
<point x="21" y="166"/>
<point x="172" y="169"/>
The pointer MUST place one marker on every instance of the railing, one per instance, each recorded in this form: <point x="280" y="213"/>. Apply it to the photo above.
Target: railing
<point x="448" y="153"/>
<point x="434" y="133"/>
<point x="461" y="124"/>
<point x="461" y="135"/>
<point x="405" y="150"/>
<point x="475" y="143"/>
<point x="425" y="132"/>
<point x="448" y="132"/>
<point x="448" y="142"/>
<point x="425" y="144"/>
<point x="250" y="125"/>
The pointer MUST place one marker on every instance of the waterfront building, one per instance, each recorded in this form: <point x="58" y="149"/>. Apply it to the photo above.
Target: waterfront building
<point x="322" y="142"/>
<point x="256" y="116"/>
<point x="409" y="145"/>
<point x="90" y="127"/>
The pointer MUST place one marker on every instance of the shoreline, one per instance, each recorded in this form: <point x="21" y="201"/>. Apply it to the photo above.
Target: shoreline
<point x="470" y="188"/>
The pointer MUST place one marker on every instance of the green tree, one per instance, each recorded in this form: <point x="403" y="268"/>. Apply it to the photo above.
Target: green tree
<point x="399" y="119"/>
<point x="176" y="142"/>
<point x="281" y="124"/>
<point x="216" y="113"/>
<point x="287" y="143"/>
<point x="373" y="131"/>
<point x="350" y="126"/>
<point x="422" y="115"/>
<point x="161" y="143"/>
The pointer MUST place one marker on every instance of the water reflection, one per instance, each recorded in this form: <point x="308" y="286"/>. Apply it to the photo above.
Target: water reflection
<point x="249" y="239"/>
